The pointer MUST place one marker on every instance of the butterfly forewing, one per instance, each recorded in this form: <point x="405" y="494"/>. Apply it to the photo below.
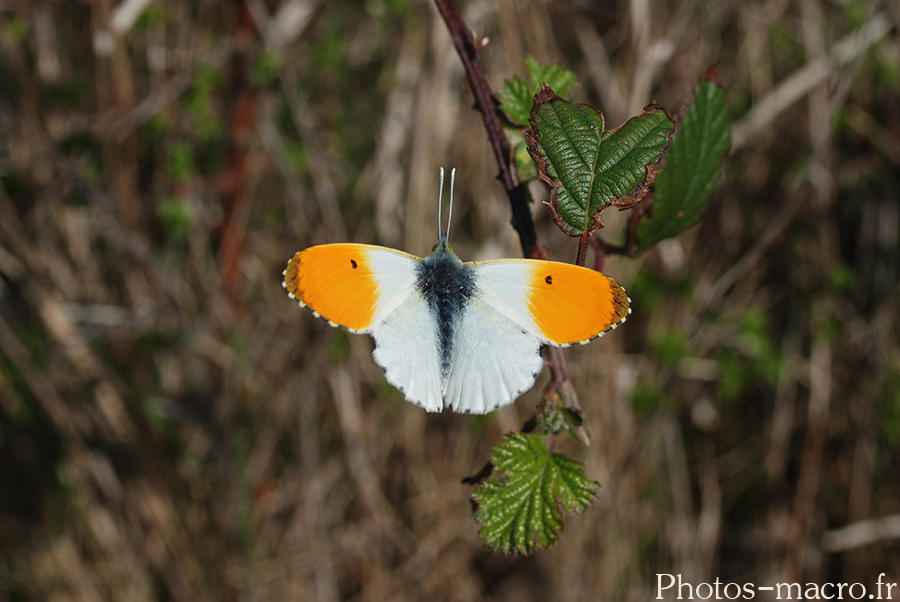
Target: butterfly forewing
<point x="560" y="303"/>
<point x="346" y="283"/>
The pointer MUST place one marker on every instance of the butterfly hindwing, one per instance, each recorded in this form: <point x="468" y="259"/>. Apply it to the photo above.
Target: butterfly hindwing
<point x="406" y="348"/>
<point x="494" y="360"/>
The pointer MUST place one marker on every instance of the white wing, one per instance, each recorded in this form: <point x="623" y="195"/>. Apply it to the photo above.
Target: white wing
<point x="406" y="348"/>
<point x="494" y="357"/>
<point x="404" y="329"/>
<point x="494" y="361"/>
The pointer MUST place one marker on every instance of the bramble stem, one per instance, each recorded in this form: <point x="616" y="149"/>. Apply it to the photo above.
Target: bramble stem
<point x="468" y="46"/>
<point x="584" y="241"/>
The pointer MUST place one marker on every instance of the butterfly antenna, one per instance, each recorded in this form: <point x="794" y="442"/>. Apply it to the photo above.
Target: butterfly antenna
<point x="450" y="211"/>
<point x="440" y="200"/>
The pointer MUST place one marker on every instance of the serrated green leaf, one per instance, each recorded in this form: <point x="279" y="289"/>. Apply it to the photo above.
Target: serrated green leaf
<point x="515" y="100"/>
<point x="521" y="506"/>
<point x="517" y="95"/>
<point x="691" y="174"/>
<point x="588" y="169"/>
<point x="556" y="76"/>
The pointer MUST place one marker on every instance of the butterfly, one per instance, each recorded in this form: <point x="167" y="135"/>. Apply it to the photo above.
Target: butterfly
<point x="449" y="334"/>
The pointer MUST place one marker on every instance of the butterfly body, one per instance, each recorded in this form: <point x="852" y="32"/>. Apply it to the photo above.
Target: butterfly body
<point x="447" y="285"/>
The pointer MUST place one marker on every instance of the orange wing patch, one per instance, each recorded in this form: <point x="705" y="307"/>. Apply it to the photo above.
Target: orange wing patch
<point x="572" y="304"/>
<point x="336" y="282"/>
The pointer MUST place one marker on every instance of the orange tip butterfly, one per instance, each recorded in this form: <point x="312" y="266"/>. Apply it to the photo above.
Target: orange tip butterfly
<point x="448" y="334"/>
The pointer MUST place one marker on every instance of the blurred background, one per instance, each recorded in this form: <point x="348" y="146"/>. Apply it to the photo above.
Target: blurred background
<point x="173" y="427"/>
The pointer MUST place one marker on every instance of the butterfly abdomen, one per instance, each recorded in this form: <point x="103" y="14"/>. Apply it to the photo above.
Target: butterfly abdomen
<point x="446" y="284"/>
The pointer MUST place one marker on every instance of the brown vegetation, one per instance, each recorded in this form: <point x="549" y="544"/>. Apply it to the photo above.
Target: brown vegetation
<point x="173" y="427"/>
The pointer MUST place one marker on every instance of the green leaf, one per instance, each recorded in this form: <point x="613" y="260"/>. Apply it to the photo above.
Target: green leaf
<point x="521" y="506"/>
<point x="560" y="79"/>
<point x="515" y="100"/>
<point x="521" y="159"/>
<point x="517" y="95"/>
<point x="691" y="174"/>
<point x="588" y="169"/>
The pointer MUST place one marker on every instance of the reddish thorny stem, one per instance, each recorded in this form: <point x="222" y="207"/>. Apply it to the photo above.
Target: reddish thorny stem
<point x="468" y="46"/>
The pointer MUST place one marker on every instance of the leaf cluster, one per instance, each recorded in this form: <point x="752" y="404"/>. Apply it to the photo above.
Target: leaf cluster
<point x="587" y="169"/>
<point x="667" y="172"/>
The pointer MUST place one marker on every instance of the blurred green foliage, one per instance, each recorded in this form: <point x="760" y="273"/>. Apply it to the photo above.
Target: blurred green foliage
<point x="177" y="216"/>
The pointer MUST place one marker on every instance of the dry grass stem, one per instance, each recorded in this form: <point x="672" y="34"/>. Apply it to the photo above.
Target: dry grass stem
<point x="173" y="427"/>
